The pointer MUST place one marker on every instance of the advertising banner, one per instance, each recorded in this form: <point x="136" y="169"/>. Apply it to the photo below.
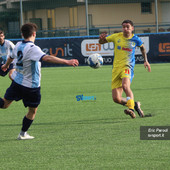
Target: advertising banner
<point x="160" y="48"/>
<point x="157" y="47"/>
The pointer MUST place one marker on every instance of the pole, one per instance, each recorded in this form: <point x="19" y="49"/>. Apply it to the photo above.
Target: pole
<point x="156" y="15"/>
<point x="21" y="15"/>
<point x="87" y="20"/>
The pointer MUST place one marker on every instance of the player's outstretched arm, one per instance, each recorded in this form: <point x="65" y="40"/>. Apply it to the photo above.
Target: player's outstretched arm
<point x="56" y="60"/>
<point x="102" y="38"/>
<point x="6" y="65"/>
<point x="146" y="63"/>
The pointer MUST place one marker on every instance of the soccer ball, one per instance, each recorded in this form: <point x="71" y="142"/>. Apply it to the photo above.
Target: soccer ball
<point x="95" y="60"/>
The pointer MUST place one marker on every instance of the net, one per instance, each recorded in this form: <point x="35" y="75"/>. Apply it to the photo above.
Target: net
<point x="61" y="18"/>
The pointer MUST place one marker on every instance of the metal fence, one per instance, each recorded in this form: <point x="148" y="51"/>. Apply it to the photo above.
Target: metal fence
<point x="61" y="18"/>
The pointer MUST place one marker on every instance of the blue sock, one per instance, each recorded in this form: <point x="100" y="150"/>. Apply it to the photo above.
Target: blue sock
<point x="1" y="103"/>
<point x="26" y="124"/>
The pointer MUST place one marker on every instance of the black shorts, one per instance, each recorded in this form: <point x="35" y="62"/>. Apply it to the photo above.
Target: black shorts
<point x="4" y="73"/>
<point x="31" y="97"/>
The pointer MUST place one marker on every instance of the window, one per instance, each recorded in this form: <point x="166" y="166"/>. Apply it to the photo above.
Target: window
<point x="37" y="21"/>
<point x="146" y="7"/>
<point x="13" y="26"/>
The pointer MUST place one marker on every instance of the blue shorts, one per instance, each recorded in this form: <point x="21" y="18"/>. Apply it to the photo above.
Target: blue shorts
<point x="31" y="97"/>
<point x="4" y="73"/>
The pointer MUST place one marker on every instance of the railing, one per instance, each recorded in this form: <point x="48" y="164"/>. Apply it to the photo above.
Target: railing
<point x="81" y="31"/>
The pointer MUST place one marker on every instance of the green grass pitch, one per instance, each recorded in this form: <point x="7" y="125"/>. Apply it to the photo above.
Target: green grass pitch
<point x="88" y="135"/>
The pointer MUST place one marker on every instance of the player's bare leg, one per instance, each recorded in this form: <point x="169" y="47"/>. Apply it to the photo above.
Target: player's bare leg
<point x="31" y="113"/>
<point x="126" y="87"/>
<point x="6" y="103"/>
<point x="117" y="96"/>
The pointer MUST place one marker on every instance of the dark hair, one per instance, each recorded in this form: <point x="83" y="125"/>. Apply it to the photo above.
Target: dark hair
<point x="1" y="32"/>
<point x="127" y="21"/>
<point x="28" y="29"/>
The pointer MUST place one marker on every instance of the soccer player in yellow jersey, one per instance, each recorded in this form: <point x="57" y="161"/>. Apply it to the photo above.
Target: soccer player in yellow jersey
<point x="123" y="65"/>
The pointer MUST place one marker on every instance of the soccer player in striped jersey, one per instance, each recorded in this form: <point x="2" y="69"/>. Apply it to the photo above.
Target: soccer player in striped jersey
<point x="26" y="78"/>
<point x="6" y="48"/>
<point x="125" y="43"/>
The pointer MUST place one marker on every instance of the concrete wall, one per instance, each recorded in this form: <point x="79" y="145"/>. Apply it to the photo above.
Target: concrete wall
<point x="109" y="14"/>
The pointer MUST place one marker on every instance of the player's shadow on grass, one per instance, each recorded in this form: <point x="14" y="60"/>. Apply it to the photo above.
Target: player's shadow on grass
<point x="64" y="123"/>
<point x="10" y="124"/>
<point x="88" y="121"/>
<point x="97" y="121"/>
<point x="92" y="121"/>
<point x="85" y="122"/>
<point x="148" y="115"/>
<point x="155" y="88"/>
<point x="82" y="122"/>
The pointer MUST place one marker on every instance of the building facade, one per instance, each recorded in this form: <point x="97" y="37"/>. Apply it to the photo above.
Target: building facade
<point x="68" y="17"/>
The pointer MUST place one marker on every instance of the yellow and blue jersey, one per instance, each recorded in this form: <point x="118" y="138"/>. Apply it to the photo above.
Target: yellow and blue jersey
<point x="124" y="49"/>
